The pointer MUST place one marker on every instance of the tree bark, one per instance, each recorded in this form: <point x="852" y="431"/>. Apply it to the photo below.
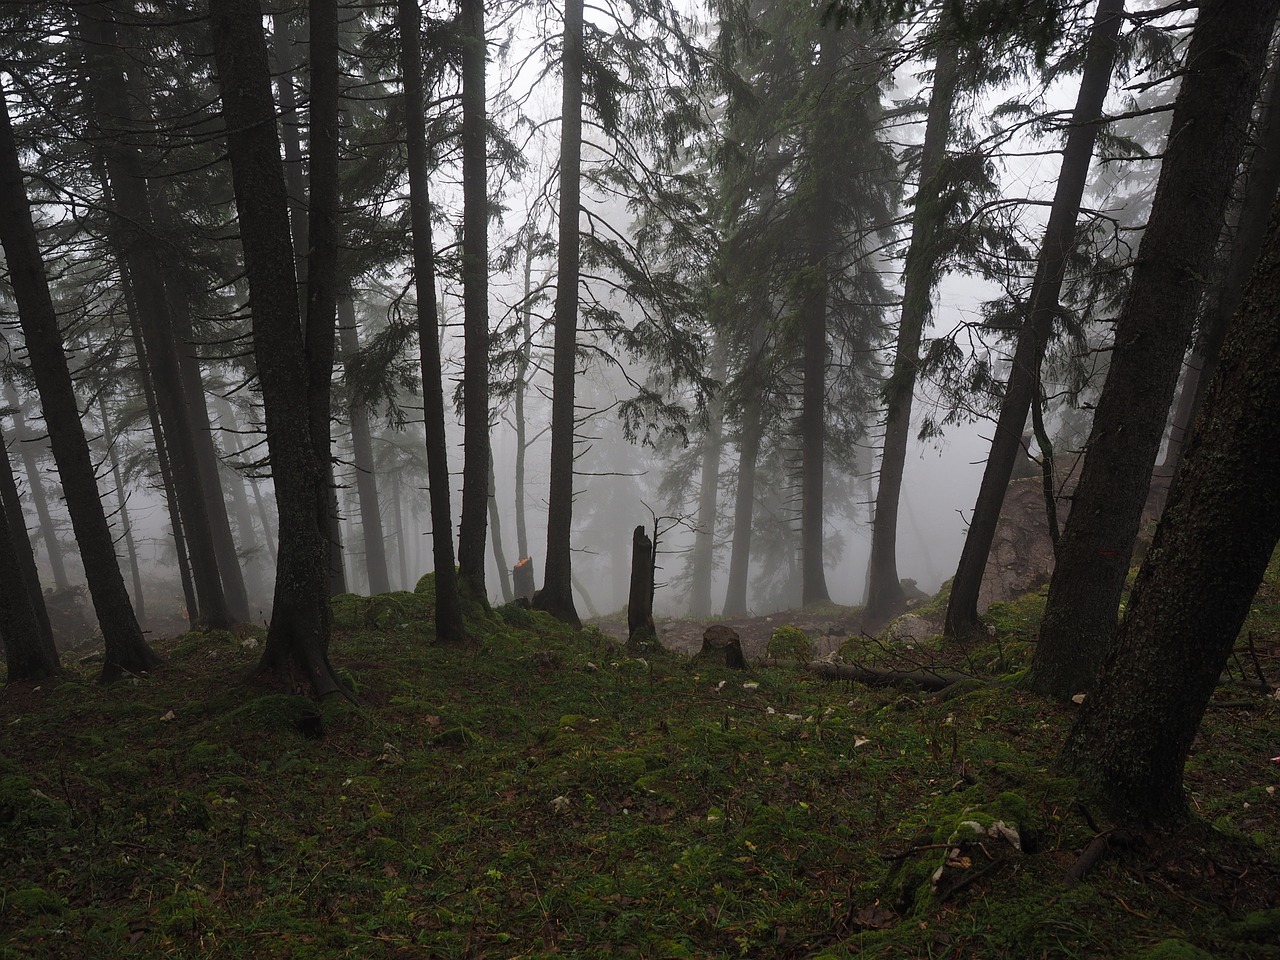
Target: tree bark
<point x="122" y="502"/>
<point x="475" y="287"/>
<point x="35" y="483"/>
<point x="249" y="546"/>
<point x="1206" y="139"/>
<point x="885" y="598"/>
<point x="1194" y="590"/>
<point x="375" y="545"/>
<point x="495" y="528"/>
<point x="640" y="626"/>
<point x="135" y="231"/>
<point x="25" y="556"/>
<point x="449" y="625"/>
<point x="522" y="385"/>
<point x="735" y="599"/>
<point x="702" y="564"/>
<point x="556" y="595"/>
<point x="1023" y="386"/>
<point x="28" y="650"/>
<point x="298" y="637"/>
<point x="126" y="650"/>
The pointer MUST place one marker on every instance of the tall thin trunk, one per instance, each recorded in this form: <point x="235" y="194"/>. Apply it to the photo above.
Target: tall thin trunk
<point x="375" y="546"/>
<point x="301" y="620"/>
<point x="126" y="650"/>
<point x="449" y="626"/>
<point x="35" y="483"/>
<point x="1024" y="375"/>
<point x="253" y="563"/>
<point x="735" y="600"/>
<point x="1206" y="139"/>
<point x="28" y="648"/>
<point x="402" y="553"/>
<point x="702" y="564"/>
<point x="122" y="503"/>
<point x="556" y="595"/>
<point x="134" y="227"/>
<point x="522" y="385"/>
<point x="495" y="533"/>
<point x="885" y="598"/>
<point x="475" y="286"/>
<point x="321" y="316"/>
<point x="26" y="557"/>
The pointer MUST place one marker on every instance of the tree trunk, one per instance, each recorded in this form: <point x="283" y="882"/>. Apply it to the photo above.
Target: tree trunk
<point x="1263" y="183"/>
<point x="26" y="558"/>
<point x="640" y="626"/>
<point x="556" y="595"/>
<point x="126" y="650"/>
<point x="375" y="545"/>
<point x="35" y="483"/>
<point x="495" y="533"/>
<point x="522" y="384"/>
<point x="1206" y="139"/>
<point x="449" y="625"/>
<point x="475" y="286"/>
<point x="122" y="501"/>
<point x="885" y="598"/>
<point x="239" y="499"/>
<point x="1210" y="552"/>
<point x="405" y="582"/>
<point x="134" y="229"/>
<point x="28" y="650"/>
<point x="735" y="599"/>
<point x="702" y="564"/>
<point x="298" y="638"/>
<point x="522" y="575"/>
<point x="1024" y="376"/>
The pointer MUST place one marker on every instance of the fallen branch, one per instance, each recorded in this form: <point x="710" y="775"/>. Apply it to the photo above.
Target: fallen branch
<point x="924" y="679"/>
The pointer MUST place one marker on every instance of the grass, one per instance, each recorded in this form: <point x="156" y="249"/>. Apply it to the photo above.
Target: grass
<point x="544" y="795"/>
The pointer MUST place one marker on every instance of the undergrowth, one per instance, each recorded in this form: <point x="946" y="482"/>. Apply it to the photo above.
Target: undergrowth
<point x="544" y="794"/>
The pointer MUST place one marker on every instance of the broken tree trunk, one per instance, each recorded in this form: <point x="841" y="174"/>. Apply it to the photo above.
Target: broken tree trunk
<point x="640" y="601"/>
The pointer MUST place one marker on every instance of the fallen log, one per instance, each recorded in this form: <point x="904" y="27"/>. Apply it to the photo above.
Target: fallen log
<point x="932" y="680"/>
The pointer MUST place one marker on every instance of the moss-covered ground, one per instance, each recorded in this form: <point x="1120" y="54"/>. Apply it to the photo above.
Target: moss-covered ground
<point x="543" y="794"/>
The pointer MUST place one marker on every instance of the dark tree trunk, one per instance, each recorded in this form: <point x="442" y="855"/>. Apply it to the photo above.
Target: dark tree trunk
<point x="1192" y="594"/>
<point x="449" y="625"/>
<point x="321" y="317"/>
<point x="735" y="599"/>
<point x="253" y="563"/>
<point x="1024" y="376"/>
<point x="522" y="575"/>
<point x="1263" y="183"/>
<point x="26" y="558"/>
<point x="126" y="650"/>
<point x="495" y="525"/>
<point x="640" y="599"/>
<point x="28" y="651"/>
<point x="35" y="483"/>
<point x="475" y="287"/>
<point x="224" y="544"/>
<point x="1206" y="139"/>
<point x="556" y="595"/>
<point x="122" y="501"/>
<point x="522" y="384"/>
<point x="820" y="243"/>
<point x="298" y="638"/>
<point x="375" y="546"/>
<point x="134" y="229"/>
<point x="885" y="598"/>
<point x="702" y="564"/>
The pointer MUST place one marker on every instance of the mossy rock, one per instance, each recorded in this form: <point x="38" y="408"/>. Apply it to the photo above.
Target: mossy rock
<point x="33" y="901"/>
<point x="790" y="643"/>
<point x="348" y="610"/>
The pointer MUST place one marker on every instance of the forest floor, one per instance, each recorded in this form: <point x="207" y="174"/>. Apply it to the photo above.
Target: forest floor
<point x="543" y="793"/>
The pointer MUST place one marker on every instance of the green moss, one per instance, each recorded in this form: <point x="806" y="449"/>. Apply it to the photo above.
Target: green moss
<point x="1258" y="927"/>
<point x="790" y="643"/>
<point x="33" y="901"/>
<point x="1173" y="950"/>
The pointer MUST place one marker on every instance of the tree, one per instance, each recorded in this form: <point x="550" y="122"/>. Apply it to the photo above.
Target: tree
<point x="556" y="595"/>
<point x="1206" y="139"/>
<point x="298" y="637"/>
<point x="885" y="598"/>
<point x="35" y="483"/>
<point x="475" y="286"/>
<point x="1218" y="532"/>
<point x="1041" y="305"/>
<point x="449" y="625"/>
<point x="126" y="650"/>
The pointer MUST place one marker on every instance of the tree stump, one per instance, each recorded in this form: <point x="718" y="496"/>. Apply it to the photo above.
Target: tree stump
<point x="522" y="579"/>
<point x="719" y="638"/>
<point x="640" y="600"/>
